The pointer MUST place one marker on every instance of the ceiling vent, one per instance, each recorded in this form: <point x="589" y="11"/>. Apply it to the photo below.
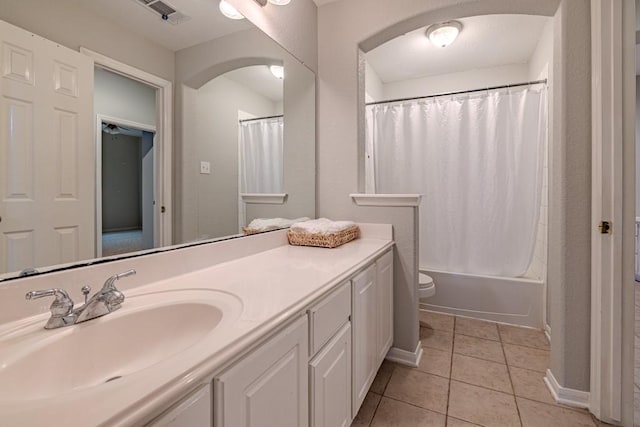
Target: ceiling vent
<point x="164" y="10"/>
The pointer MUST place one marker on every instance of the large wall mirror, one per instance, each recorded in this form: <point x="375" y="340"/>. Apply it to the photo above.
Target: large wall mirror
<point x="133" y="125"/>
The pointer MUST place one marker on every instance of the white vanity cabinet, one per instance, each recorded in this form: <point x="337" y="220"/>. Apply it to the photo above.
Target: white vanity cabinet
<point x="330" y="366"/>
<point x="384" y="285"/>
<point x="372" y="320"/>
<point x="317" y="371"/>
<point x="193" y="411"/>
<point x="268" y="387"/>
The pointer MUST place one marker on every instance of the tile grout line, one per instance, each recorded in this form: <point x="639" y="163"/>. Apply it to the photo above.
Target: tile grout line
<point x="395" y="399"/>
<point x="513" y="389"/>
<point x="375" y="410"/>
<point x="462" y="381"/>
<point x="453" y="343"/>
<point x="382" y="394"/>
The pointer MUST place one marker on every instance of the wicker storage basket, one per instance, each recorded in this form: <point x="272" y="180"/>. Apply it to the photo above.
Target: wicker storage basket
<point x="328" y="240"/>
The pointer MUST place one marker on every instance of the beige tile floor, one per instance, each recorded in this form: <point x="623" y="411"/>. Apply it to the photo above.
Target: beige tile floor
<point x="472" y="373"/>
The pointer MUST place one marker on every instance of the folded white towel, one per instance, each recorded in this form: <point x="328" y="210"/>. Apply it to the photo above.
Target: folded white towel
<point x="321" y="226"/>
<point x="268" y="224"/>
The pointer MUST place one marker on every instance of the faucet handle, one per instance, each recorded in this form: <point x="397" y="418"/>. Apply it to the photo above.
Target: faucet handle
<point x="85" y="291"/>
<point x="108" y="285"/>
<point x="125" y="274"/>
<point x="61" y="308"/>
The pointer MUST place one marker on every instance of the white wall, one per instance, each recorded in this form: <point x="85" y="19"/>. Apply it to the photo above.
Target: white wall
<point x="543" y="54"/>
<point x="541" y="67"/>
<point x="68" y="23"/>
<point x="373" y="85"/>
<point x="211" y="127"/>
<point x="123" y="98"/>
<point x="452" y="82"/>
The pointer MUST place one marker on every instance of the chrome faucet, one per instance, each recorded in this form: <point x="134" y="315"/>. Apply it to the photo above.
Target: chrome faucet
<point x="62" y="313"/>
<point x="106" y="300"/>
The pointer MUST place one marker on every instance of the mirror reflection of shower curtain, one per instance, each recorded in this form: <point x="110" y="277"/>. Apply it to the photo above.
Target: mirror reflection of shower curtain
<point x="478" y="162"/>
<point x="262" y="156"/>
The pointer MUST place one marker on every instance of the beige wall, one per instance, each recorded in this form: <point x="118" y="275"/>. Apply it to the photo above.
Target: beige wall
<point x="294" y="27"/>
<point x="569" y="265"/>
<point x="199" y="64"/>
<point x="637" y="142"/>
<point x="119" y="97"/>
<point x="121" y="182"/>
<point x="67" y="22"/>
<point x="345" y="24"/>
<point x="210" y="125"/>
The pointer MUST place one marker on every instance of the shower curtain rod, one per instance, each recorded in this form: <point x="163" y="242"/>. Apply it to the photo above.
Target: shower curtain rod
<point x="260" y="118"/>
<point x="535" y="82"/>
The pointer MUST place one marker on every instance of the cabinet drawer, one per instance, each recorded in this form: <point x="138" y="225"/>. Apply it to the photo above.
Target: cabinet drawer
<point x="327" y="317"/>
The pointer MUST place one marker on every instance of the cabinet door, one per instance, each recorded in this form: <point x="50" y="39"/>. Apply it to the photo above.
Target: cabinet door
<point x="365" y="355"/>
<point x="269" y="387"/>
<point x="330" y="373"/>
<point x="384" y="283"/>
<point x="194" y="411"/>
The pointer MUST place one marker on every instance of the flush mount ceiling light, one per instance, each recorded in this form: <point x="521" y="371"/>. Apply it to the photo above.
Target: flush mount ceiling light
<point x="230" y="11"/>
<point x="280" y="2"/>
<point x="277" y="71"/>
<point x="442" y="35"/>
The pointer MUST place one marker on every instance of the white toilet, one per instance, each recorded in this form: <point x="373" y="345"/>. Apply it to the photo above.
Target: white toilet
<point x="426" y="287"/>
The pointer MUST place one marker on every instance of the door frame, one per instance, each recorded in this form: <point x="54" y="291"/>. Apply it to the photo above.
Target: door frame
<point x="101" y="118"/>
<point x="163" y="142"/>
<point x="613" y="199"/>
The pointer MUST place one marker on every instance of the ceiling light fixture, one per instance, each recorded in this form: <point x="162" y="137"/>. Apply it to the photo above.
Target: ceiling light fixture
<point x="230" y="11"/>
<point x="442" y="35"/>
<point x="277" y="71"/>
<point x="280" y="2"/>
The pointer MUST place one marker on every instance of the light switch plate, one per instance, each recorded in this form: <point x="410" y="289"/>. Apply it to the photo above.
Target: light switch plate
<point x="205" y="168"/>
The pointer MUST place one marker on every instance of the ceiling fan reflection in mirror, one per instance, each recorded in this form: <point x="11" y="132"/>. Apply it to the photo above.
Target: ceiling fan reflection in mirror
<point x="112" y="129"/>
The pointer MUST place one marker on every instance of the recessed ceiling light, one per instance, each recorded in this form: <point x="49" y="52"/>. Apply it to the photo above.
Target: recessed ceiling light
<point x="230" y="11"/>
<point x="280" y="2"/>
<point x="277" y="71"/>
<point x="442" y="35"/>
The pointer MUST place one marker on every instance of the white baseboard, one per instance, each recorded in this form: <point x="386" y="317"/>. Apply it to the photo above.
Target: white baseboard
<point x="547" y="331"/>
<point x="566" y="396"/>
<point x="404" y="357"/>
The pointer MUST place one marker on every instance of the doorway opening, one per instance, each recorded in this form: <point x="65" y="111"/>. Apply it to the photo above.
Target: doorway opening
<point x="127" y="171"/>
<point x="127" y="188"/>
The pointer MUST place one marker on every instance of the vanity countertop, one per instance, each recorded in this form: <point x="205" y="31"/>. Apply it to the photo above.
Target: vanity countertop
<point x="271" y="286"/>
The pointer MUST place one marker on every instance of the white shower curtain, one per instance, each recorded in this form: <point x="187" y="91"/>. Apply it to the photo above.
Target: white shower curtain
<point x="477" y="160"/>
<point x="261" y="156"/>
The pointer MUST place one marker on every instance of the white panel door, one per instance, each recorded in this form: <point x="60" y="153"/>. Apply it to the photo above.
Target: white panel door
<point x="269" y="387"/>
<point x="384" y="282"/>
<point x="365" y="354"/>
<point x="330" y="373"/>
<point x="47" y="179"/>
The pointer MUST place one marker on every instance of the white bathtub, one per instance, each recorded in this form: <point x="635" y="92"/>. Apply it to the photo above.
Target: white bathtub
<point x="517" y="300"/>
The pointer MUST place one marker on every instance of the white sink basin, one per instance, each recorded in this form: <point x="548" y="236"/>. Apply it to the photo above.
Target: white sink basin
<point x="148" y="329"/>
